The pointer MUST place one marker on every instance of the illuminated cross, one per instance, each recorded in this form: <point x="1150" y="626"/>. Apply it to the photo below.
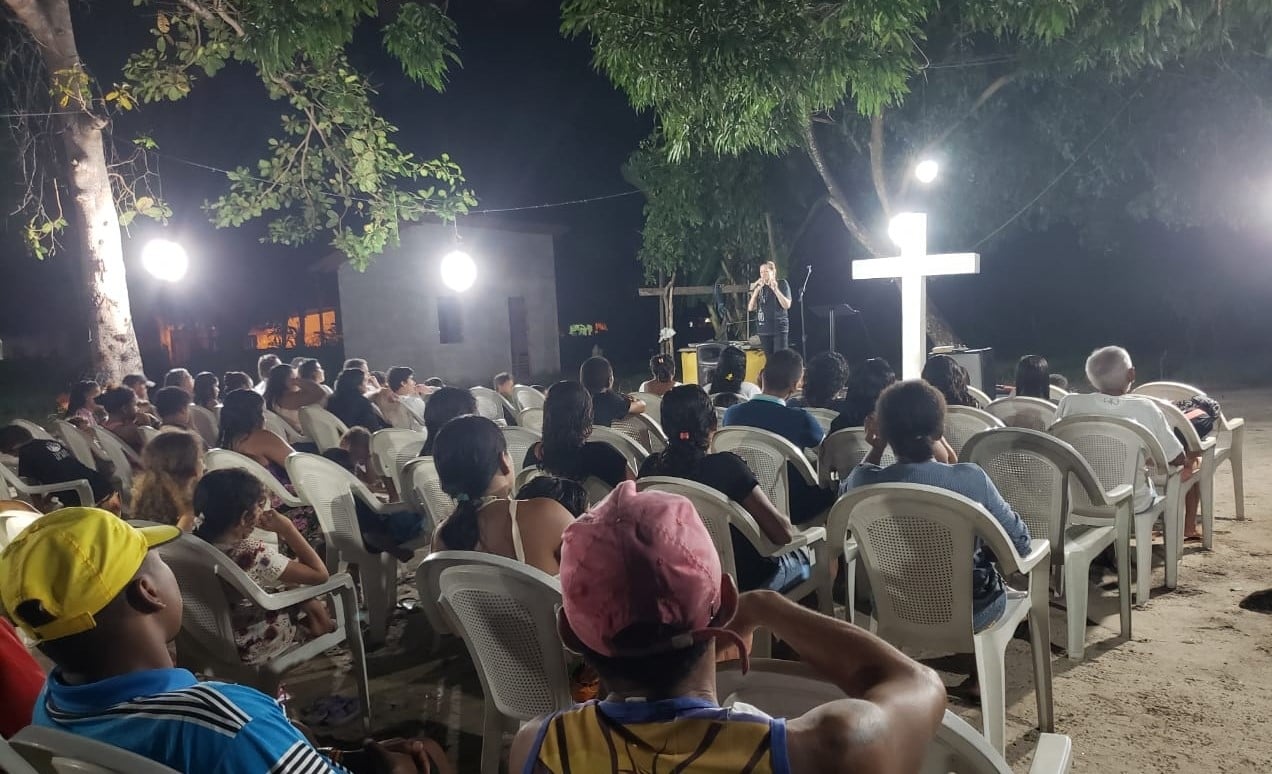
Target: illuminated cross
<point x="913" y="267"/>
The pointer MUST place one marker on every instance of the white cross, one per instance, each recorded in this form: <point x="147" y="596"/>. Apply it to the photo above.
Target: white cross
<point x="913" y="267"/>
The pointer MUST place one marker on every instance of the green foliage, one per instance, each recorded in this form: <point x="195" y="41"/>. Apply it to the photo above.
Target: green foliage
<point x="335" y="167"/>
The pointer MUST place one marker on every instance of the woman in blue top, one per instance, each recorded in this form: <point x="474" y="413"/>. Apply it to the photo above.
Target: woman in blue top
<point x="910" y="418"/>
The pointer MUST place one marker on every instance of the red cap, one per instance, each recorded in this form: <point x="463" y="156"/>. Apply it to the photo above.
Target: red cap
<point x="641" y="558"/>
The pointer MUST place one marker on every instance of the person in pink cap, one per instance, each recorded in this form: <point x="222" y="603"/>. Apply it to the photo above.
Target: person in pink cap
<point x="645" y="603"/>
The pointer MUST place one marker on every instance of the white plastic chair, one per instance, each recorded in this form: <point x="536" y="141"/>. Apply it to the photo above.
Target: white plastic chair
<point x="12" y="523"/>
<point x="422" y="488"/>
<point x="331" y="491"/>
<point x="223" y="459"/>
<point x="653" y="405"/>
<point x="917" y="543"/>
<point x="37" y="432"/>
<point x="843" y="450"/>
<point x="205" y="423"/>
<point x="75" y="440"/>
<point x="1045" y="480"/>
<point x="980" y="396"/>
<point x="491" y="404"/>
<point x="18" y="489"/>
<point x="531" y="418"/>
<point x="505" y="611"/>
<point x="1029" y="413"/>
<point x="1204" y="478"/>
<point x="823" y="416"/>
<point x="12" y="762"/>
<point x="788" y="689"/>
<point x="642" y="429"/>
<point x="1229" y="436"/>
<point x="322" y="427"/>
<point x="392" y="448"/>
<point x="282" y="428"/>
<point x="206" y="643"/>
<point x="770" y="457"/>
<point x="51" y="749"/>
<point x="527" y="397"/>
<point x="148" y="434"/>
<point x="1117" y="450"/>
<point x="631" y="450"/>
<point x="962" y="422"/>
<point x="1056" y="393"/>
<point x="121" y="458"/>
<point x="519" y="440"/>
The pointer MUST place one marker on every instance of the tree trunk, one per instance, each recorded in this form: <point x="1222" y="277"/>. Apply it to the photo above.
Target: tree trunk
<point x="92" y="214"/>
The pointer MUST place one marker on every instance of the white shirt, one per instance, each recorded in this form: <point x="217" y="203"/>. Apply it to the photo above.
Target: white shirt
<point x="1135" y="407"/>
<point x="749" y="390"/>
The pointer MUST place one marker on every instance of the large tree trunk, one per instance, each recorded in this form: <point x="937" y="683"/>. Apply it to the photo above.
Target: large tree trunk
<point x="92" y="213"/>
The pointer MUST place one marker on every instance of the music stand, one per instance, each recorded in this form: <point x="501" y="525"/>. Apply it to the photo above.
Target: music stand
<point x="829" y="311"/>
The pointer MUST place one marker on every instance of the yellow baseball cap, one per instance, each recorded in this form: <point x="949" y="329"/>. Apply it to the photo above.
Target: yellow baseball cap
<point x="73" y="562"/>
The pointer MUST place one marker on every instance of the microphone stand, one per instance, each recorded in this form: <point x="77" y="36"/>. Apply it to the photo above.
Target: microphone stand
<point x="803" y="326"/>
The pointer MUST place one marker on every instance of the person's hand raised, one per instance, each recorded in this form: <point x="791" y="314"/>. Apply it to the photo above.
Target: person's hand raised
<point x="273" y="521"/>
<point x="873" y="436"/>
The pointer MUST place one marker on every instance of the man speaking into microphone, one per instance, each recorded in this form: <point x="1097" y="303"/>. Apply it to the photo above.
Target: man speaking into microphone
<point x="770" y="298"/>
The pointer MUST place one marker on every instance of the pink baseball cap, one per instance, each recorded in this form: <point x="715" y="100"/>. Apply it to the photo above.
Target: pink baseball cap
<point x="641" y="558"/>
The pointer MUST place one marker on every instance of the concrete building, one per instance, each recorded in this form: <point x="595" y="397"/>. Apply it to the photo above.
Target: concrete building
<point x="398" y="312"/>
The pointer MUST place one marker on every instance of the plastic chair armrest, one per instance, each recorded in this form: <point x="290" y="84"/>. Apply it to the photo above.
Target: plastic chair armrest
<point x="282" y="599"/>
<point x="1233" y="424"/>
<point x="1039" y="550"/>
<point x="81" y="487"/>
<point x="1053" y="755"/>
<point x="1119" y="493"/>
<point x="1208" y="443"/>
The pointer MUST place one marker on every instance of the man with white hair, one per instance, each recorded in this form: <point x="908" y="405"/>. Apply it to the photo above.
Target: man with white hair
<point x="1110" y="370"/>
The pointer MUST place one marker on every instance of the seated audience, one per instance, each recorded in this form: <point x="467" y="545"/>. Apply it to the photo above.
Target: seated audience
<point x="21" y="680"/>
<point x="690" y="422"/>
<point x="164" y="490"/>
<point x="82" y="404"/>
<point x="139" y="384"/>
<point x="232" y="504"/>
<point x="354" y="455"/>
<point x="663" y="368"/>
<point x="49" y="461"/>
<point x="235" y="380"/>
<point x="950" y="379"/>
<point x="107" y="625"/>
<point x="1033" y="378"/>
<point x="730" y="379"/>
<point x="207" y="391"/>
<point x="443" y="406"/>
<point x="264" y="365"/>
<point x="358" y="363"/>
<point x="122" y="418"/>
<point x="824" y="380"/>
<point x="565" y="450"/>
<point x="911" y="420"/>
<point x="505" y="386"/>
<point x="473" y="465"/>
<point x="286" y="394"/>
<point x="1059" y="380"/>
<point x="408" y="410"/>
<point x="172" y="405"/>
<point x="768" y="411"/>
<point x="598" y="377"/>
<point x="349" y="401"/>
<point x="243" y="431"/>
<point x="1110" y="370"/>
<point x="388" y="531"/>
<point x="657" y="652"/>
<point x="864" y="385"/>
<point x="179" y="377"/>
<point x="570" y="494"/>
<point x="310" y="370"/>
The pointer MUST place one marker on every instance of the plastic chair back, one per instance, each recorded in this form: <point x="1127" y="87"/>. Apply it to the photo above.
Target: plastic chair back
<point x="1116" y="448"/>
<point x="519" y="440"/>
<point x="205" y="423"/>
<point x="823" y="416"/>
<point x="642" y="429"/>
<point x="505" y="611"/>
<point x="653" y="405"/>
<point x="120" y="457"/>
<point x="148" y="434"/>
<point x="531" y="418"/>
<point x="322" y="427"/>
<point x="206" y="609"/>
<point x="1029" y="413"/>
<point x="393" y="448"/>
<point x="281" y="428"/>
<point x="767" y="455"/>
<point x="428" y="582"/>
<point x="76" y="442"/>
<point x="13" y="522"/>
<point x="596" y="489"/>
<point x="917" y="543"/>
<point x="1056" y="393"/>
<point x="222" y="459"/>
<point x="1168" y="391"/>
<point x="490" y="404"/>
<point x="328" y="489"/>
<point x="962" y="422"/>
<point x="843" y="450"/>
<point x="37" y="432"/>
<point x="633" y="451"/>
<point x="715" y="510"/>
<point x="982" y="398"/>
<point x="62" y="751"/>
<point x="422" y="488"/>
<point x="527" y="397"/>
<point x="12" y="762"/>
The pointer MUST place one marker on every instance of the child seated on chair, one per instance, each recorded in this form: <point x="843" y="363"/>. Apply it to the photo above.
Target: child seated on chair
<point x="231" y="504"/>
<point x="911" y="419"/>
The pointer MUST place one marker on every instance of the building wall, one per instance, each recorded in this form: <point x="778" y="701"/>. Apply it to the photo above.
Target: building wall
<point x="389" y="312"/>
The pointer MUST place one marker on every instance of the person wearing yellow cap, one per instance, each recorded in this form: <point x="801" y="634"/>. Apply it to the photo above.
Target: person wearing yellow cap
<point x="104" y="608"/>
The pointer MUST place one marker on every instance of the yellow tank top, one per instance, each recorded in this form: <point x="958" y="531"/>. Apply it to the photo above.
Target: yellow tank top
<point x="677" y="735"/>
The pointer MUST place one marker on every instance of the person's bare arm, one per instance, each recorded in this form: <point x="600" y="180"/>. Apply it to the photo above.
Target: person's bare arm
<point x="308" y="394"/>
<point x="895" y="704"/>
<point x="541" y="523"/>
<point x="636" y="406"/>
<point x="519" y="752"/>
<point x="771" y="522"/>
<point x="754" y="303"/>
<point x="307" y="568"/>
<point x="268" y="445"/>
<point x="876" y="441"/>
<point x="782" y="300"/>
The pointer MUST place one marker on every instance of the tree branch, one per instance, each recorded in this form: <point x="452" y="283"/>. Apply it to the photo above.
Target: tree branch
<point x="837" y="199"/>
<point x="211" y="15"/>
<point x="876" y="163"/>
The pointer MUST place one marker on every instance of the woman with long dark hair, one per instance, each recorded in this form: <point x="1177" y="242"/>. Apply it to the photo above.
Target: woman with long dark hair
<point x="865" y="383"/>
<point x="950" y="379"/>
<point x="444" y="405"/>
<point x="286" y="394"/>
<point x="663" y="369"/>
<point x="472" y="462"/>
<point x="565" y="450"/>
<point x="207" y="391"/>
<point x="243" y="430"/>
<point x="689" y="420"/>
<point x="82" y="402"/>
<point x="729" y="378"/>
<point x="824" y="379"/>
<point x="1033" y="377"/>
<point x="350" y="404"/>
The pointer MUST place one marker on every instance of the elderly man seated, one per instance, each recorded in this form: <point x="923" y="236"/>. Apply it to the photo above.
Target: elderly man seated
<point x="1109" y="369"/>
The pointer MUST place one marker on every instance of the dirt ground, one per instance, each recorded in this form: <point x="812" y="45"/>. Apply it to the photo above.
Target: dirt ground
<point x="1192" y="691"/>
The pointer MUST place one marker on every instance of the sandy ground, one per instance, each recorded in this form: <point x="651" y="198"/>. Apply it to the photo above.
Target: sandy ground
<point x="1192" y="691"/>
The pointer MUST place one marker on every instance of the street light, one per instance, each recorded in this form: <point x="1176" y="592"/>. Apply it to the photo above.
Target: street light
<point x="459" y="272"/>
<point x="165" y="259"/>
<point x="926" y="171"/>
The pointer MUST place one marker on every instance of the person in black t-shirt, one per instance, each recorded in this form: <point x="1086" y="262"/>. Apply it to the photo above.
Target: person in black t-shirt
<point x="598" y="377"/>
<point x="42" y="461"/>
<point x="770" y="298"/>
<point x="690" y="421"/>
<point x="565" y="450"/>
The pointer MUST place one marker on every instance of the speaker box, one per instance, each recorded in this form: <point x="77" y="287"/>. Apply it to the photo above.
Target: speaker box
<point x="708" y="359"/>
<point x="980" y="367"/>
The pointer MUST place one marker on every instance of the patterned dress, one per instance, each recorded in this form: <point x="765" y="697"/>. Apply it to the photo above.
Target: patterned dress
<point x="261" y="635"/>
